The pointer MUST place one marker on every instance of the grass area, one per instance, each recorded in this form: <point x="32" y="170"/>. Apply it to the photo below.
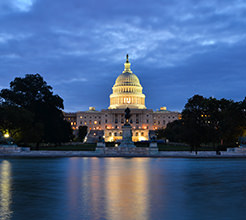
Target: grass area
<point x="80" y="147"/>
<point x="92" y="147"/>
<point x="168" y="147"/>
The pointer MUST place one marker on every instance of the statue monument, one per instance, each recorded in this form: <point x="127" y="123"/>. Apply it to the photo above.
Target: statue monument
<point x="127" y="131"/>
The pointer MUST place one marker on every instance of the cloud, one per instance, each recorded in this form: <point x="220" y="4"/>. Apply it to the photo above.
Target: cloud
<point x="179" y="45"/>
<point x="69" y="81"/>
<point x="23" y="5"/>
<point x="8" y="6"/>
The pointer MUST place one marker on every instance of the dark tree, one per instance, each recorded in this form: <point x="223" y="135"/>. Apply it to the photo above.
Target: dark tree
<point x="16" y="121"/>
<point x="174" y="131"/>
<point x="34" y="95"/>
<point x="82" y="133"/>
<point x="209" y="121"/>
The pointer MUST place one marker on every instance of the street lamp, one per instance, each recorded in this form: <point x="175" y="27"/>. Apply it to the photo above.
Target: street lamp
<point x="6" y="135"/>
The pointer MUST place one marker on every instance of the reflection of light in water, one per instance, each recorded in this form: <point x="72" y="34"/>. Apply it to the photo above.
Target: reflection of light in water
<point x="115" y="187"/>
<point x="5" y="196"/>
<point x="84" y="186"/>
<point x="95" y="182"/>
<point x="127" y="189"/>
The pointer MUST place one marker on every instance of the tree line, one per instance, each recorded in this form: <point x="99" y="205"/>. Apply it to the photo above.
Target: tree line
<point x="208" y="121"/>
<point x="31" y="113"/>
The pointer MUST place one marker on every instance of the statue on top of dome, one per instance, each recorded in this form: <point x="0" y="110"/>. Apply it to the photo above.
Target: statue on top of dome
<point x="127" y="61"/>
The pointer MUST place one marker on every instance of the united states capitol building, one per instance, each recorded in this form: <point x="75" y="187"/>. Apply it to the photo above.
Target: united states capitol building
<point x="127" y="92"/>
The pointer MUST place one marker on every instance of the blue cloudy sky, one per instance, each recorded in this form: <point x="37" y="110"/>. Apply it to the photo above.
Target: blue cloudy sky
<point x="177" y="48"/>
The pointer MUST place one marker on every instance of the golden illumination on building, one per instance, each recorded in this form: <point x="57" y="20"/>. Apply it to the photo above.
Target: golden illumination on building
<point x="127" y="91"/>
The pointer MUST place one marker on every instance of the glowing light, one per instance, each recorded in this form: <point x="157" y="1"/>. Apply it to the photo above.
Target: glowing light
<point x="142" y="138"/>
<point x="164" y="108"/>
<point x="6" y="135"/>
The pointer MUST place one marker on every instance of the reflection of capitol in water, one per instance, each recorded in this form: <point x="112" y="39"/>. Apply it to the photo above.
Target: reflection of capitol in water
<point x="132" y="181"/>
<point x="101" y="190"/>
<point x="5" y="193"/>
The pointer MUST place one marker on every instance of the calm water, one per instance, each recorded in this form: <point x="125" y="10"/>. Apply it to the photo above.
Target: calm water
<point x="119" y="188"/>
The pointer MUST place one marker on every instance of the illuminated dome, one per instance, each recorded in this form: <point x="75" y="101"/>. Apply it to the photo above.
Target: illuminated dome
<point x="126" y="79"/>
<point x="127" y="91"/>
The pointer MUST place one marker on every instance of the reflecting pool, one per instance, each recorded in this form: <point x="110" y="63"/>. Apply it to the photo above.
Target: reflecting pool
<point x="122" y="188"/>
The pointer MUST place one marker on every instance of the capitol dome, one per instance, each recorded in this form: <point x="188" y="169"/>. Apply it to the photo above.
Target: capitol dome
<point x="127" y="91"/>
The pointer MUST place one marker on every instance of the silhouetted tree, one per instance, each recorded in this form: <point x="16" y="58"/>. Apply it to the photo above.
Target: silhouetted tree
<point x="82" y="133"/>
<point x="174" y="131"/>
<point x="16" y="121"/>
<point x="208" y="120"/>
<point x="34" y="95"/>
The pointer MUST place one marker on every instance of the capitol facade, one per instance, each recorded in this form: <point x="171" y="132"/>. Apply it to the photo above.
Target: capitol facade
<point x="107" y="123"/>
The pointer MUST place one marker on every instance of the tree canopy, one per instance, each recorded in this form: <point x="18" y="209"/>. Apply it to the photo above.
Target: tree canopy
<point x="35" y="111"/>
<point x="208" y="120"/>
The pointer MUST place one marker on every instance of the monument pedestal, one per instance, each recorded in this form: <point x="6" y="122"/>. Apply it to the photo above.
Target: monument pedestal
<point x="126" y="137"/>
<point x="100" y="147"/>
<point x="153" y="148"/>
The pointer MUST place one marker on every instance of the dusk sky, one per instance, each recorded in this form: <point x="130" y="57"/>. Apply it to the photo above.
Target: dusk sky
<point x="177" y="48"/>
